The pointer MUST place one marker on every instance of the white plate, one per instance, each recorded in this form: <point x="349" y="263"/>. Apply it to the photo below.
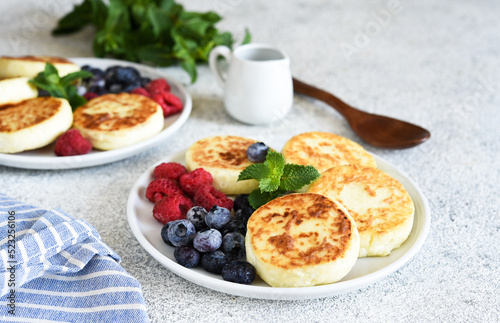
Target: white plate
<point x="366" y="270"/>
<point x="44" y="158"/>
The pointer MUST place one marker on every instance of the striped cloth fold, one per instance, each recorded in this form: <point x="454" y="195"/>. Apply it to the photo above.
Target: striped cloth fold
<point x="55" y="268"/>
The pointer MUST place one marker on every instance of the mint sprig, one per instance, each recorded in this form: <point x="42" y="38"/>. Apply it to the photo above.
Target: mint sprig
<point x="159" y="32"/>
<point x="276" y="178"/>
<point x="61" y="87"/>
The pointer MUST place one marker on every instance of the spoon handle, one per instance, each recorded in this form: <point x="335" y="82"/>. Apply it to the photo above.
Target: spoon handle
<point x="343" y="108"/>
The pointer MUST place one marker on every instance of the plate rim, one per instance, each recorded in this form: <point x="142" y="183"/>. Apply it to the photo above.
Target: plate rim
<point x="109" y="156"/>
<point x="279" y="293"/>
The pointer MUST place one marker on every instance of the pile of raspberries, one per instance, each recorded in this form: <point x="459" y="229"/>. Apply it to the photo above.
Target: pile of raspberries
<point x="159" y="90"/>
<point x="175" y="190"/>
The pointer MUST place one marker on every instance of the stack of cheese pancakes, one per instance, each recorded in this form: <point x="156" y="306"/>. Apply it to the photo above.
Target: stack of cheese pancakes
<point x="315" y="237"/>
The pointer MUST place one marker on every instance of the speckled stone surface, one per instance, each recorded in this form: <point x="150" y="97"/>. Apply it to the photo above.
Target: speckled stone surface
<point x="436" y="64"/>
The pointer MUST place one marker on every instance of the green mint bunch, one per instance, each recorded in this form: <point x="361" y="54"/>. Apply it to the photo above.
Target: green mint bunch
<point x="61" y="87"/>
<point x="276" y="178"/>
<point x="158" y="32"/>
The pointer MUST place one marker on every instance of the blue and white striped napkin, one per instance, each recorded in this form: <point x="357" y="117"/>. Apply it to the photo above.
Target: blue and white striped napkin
<point x="56" y="268"/>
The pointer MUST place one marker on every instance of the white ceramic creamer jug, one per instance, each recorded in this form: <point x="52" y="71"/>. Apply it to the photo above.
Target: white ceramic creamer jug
<point x="258" y="83"/>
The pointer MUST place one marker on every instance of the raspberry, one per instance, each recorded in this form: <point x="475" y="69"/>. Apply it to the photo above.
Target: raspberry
<point x="191" y="181"/>
<point x="169" y="170"/>
<point x="71" y="143"/>
<point x="157" y="86"/>
<point x="207" y="196"/>
<point x="171" y="208"/>
<point x="90" y="95"/>
<point x="160" y="187"/>
<point x="172" y="100"/>
<point x="140" y="91"/>
<point x="168" y="102"/>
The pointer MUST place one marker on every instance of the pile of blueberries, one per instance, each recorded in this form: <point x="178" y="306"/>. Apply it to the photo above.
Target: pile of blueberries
<point x="214" y="239"/>
<point x="114" y="79"/>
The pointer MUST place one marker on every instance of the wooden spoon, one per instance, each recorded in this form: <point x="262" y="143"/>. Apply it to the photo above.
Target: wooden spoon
<point x="375" y="129"/>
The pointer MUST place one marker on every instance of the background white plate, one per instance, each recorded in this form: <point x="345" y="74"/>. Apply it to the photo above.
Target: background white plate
<point x="366" y="270"/>
<point x="44" y="158"/>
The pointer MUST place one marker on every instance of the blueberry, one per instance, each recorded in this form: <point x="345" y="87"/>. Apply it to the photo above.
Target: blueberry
<point x="240" y="272"/>
<point x="234" y="225"/>
<point x="218" y="217"/>
<point x="109" y="73"/>
<point x="98" y="90"/>
<point x="207" y="240"/>
<point x="126" y="75"/>
<point x="145" y="80"/>
<point x="96" y="81"/>
<point x="43" y="92"/>
<point x="233" y="244"/>
<point x="196" y="215"/>
<point x="257" y="152"/>
<point x="86" y="68"/>
<point x="181" y="232"/>
<point x="97" y="72"/>
<point x="187" y="256"/>
<point x="115" y="87"/>
<point x="214" y="261"/>
<point x="164" y="234"/>
<point x="130" y="87"/>
<point x="240" y="201"/>
<point x="244" y="214"/>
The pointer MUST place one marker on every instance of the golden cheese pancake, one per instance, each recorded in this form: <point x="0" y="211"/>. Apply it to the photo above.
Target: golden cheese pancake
<point x="324" y="150"/>
<point x="224" y="157"/>
<point x="30" y="66"/>
<point x="301" y="240"/>
<point x="15" y="90"/>
<point x="380" y="205"/>
<point x="117" y="120"/>
<point x="33" y="123"/>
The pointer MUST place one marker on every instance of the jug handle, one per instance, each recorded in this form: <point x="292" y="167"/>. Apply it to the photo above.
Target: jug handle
<point x="214" y="66"/>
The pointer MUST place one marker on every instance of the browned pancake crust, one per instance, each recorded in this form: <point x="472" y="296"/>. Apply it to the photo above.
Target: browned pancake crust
<point x="27" y="113"/>
<point x="288" y="249"/>
<point x="231" y="152"/>
<point x="96" y="116"/>
<point x="49" y="59"/>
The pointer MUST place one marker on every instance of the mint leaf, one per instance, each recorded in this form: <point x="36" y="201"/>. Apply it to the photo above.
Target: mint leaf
<point x="154" y="53"/>
<point x="258" y="198"/>
<point x="51" y="74"/>
<point x="158" y="22"/>
<point x="254" y="171"/>
<point x="248" y="37"/>
<point x="169" y="5"/>
<point x="75" y="20"/>
<point x="99" y="13"/>
<point x="297" y="176"/>
<point x="73" y="98"/>
<point x="276" y="163"/>
<point x="72" y="77"/>
<point x="58" y="87"/>
<point x="269" y="184"/>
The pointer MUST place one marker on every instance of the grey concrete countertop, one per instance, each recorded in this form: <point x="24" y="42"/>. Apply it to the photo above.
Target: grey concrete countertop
<point x="436" y="64"/>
